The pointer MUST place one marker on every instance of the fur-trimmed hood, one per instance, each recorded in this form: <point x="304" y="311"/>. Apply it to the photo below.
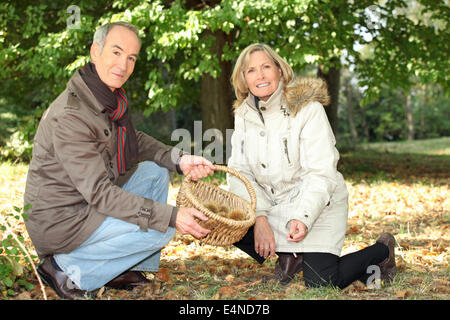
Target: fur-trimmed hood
<point x="300" y="92"/>
<point x="304" y="90"/>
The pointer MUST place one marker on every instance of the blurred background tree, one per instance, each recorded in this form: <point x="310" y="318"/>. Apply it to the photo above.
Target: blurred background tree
<point x="386" y="62"/>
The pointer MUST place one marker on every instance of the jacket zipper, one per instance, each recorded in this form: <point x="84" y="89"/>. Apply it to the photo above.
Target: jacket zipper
<point x="286" y="150"/>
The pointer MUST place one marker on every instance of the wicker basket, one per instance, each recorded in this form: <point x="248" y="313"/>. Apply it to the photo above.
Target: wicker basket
<point x="224" y="231"/>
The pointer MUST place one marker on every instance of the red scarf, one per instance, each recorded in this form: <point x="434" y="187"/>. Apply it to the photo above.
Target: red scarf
<point x="116" y="105"/>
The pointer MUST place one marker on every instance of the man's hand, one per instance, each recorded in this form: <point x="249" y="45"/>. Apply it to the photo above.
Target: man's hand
<point x="297" y="231"/>
<point x="264" y="239"/>
<point x="186" y="224"/>
<point x="198" y="167"/>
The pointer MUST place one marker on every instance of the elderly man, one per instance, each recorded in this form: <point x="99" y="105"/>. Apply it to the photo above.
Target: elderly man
<point x="97" y="187"/>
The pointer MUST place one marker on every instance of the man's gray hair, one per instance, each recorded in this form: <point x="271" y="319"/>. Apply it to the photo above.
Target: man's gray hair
<point x="101" y="33"/>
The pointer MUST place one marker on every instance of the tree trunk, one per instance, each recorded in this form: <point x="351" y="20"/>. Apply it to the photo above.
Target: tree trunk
<point x="348" y="91"/>
<point x="332" y="78"/>
<point x="217" y="94"/>
<point x="422" y="111"/>
<point x="409" y="118"/>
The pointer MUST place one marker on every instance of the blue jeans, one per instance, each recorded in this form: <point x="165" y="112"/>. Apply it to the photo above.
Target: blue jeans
<point x="116" y="245"/>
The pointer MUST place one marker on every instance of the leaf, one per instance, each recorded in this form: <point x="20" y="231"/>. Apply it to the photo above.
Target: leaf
<point x="25" y="295"/>
<point x="163" y="274"/>
<point x="403" y="294"/>
<point x="100" y="292"/>
<point x="229" y="278"/>
<point x="8" y="282"/>
<point x="226" y="292"/>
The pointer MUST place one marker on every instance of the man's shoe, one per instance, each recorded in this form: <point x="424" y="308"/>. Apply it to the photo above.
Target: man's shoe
<point x="287" y="266"/>
<point x="128" y="280"/>
<point x="388" y="267"/>
<point x="58" y="281"/>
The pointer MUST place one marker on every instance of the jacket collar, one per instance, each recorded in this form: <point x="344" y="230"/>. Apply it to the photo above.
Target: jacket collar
<point x="297" y="95"/>
<point x="78" y="87"/>
<point x="268" y="108"/>
<point x="272" y="104"/>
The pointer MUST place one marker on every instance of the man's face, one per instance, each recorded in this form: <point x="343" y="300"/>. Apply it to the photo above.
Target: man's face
<point x="115" y="63"/>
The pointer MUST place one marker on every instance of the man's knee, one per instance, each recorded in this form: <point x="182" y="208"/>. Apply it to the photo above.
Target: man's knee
<point x="150" y="167"/>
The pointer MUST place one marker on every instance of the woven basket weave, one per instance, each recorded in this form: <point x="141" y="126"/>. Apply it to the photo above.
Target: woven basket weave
<point x="224" y="231"/>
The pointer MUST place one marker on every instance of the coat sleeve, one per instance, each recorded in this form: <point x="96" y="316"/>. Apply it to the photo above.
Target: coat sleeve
<point x="154" y="150"/>
<point x="239" y="162"/>
<point x="76" y="148"/>
<point x="318" y="159"/>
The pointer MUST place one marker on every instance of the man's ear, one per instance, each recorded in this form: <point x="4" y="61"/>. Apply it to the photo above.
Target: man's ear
<point x="95" y="51"/>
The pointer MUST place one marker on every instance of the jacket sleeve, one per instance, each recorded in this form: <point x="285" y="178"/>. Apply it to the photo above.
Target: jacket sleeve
<point x="76" y="148"/>
<point x="318" y="159"/>
<point x="239" y="162"/>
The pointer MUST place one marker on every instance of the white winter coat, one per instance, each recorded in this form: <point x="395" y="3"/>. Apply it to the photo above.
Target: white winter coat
<point x="291" y="159"/>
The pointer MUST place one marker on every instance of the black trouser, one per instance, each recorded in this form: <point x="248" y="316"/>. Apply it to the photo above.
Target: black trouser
<point x="321" y="269"/>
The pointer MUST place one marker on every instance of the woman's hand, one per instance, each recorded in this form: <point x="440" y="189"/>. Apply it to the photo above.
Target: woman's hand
<point x="264" y="239"/>
<point x="198" y="167"/>
<point x="297" y="231"/>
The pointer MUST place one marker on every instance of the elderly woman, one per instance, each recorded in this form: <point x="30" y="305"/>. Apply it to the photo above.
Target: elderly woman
<point x="284" y="145"/>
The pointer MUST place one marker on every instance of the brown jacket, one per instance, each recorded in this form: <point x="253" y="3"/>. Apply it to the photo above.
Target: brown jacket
<point x="73" y="182"/>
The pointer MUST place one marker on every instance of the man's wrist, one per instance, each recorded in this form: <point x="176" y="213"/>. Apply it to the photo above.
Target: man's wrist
<point x="177" y="165"/>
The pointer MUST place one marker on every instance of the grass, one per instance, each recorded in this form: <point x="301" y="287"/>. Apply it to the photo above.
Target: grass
<point x="399" y="187"/>
<point x="438" y="146"/>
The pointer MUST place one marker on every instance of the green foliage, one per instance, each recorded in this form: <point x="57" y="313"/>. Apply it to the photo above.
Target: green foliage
<point x="178" y="40"/>
<point x="12" y="257"/>
<point x="385" y="117"/>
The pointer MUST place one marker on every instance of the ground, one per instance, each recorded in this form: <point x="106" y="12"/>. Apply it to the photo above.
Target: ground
<point x="406" y="194"/>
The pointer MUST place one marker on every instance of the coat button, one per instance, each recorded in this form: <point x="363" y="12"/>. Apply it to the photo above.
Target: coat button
<point x="106" y="132"/>
<point x="263" y="108"/>
<point x="262" y="133"/>
<point x="263" y="165"/>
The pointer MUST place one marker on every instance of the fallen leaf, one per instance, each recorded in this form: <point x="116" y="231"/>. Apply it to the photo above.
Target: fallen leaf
<point x="442" y="289"/>
<point x="163" y="274"/>
<point x="100" y="292"/>
<point x="403" y="294"/>
<point x="24" y="296"/>
<point x="254" y="283"/>
<point x="416" y="280"/>
<point x="156" y="287"/>
<point x="229" y="278"/>
<point x="171" y="295"/>
<point x="181" y="267"/>
<point x="226" y="292"/>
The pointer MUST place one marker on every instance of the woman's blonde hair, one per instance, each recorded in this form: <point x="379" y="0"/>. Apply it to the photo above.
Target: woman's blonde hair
<point x="237" y="78"/>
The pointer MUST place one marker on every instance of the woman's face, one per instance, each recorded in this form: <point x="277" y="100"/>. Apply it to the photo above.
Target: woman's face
<point x="262" y="75"/>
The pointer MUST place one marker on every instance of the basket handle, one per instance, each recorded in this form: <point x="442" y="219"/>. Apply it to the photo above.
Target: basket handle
<point x="232" y="171"/>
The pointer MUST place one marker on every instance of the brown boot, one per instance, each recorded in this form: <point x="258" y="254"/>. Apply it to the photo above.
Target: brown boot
<point x="59" y="282"/>
<point x="128" y="280"/>
<point x="287" y="266"/>
<point x="388" y="267"/>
